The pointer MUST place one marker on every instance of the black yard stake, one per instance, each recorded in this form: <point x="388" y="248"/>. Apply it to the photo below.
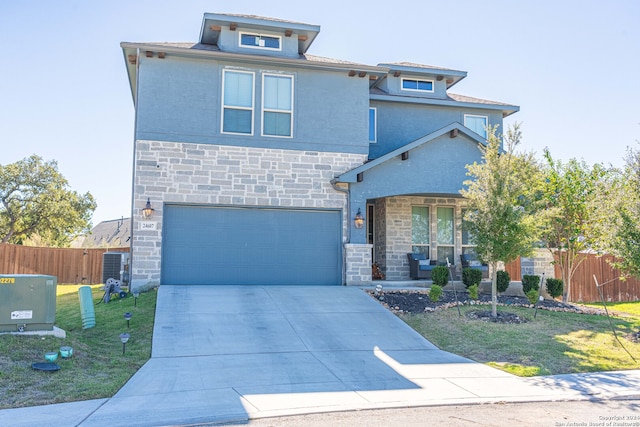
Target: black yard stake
<point x="455" y="293"/>
<point x="609" y="317"/>
<point x="539" y="293"/>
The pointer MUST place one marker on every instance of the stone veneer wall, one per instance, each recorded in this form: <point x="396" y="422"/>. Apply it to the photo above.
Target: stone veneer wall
<point x="171" y="172"/>
<point x="540" y="262"/>
<point x="397" y="231"/>
<point x="358" y="260"/>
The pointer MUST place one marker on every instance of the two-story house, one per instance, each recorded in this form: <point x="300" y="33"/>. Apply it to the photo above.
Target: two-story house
<point x="264" y="164"/>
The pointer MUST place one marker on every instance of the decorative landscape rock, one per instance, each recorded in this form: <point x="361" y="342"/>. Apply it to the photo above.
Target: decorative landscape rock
<point x="411" y="301"/>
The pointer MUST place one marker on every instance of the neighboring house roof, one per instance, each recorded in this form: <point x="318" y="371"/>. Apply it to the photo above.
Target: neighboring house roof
<point x="352" y="175"/>
<point x="113" y="233"/>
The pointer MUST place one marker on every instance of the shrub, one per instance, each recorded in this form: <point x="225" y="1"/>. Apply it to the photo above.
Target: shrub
<point x="530" y="282"/>
<point x="473" y="292"/>
<point x="554" y="287"/>
<point x="532" y="296"/>
<point x="502" y="281"/>
<point x="440" y="275"/>
<point x="435" y="292"/>
<point x="471" y="276"/>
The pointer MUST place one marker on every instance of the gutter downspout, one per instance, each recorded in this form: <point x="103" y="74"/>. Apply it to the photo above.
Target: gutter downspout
<point x="344" y="252"/>
<point x="133" y="220"/>
<point x="347" y="192"/>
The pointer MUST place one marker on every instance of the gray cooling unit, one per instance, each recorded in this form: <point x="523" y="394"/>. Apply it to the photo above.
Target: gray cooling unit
<point x="115" y="265"/>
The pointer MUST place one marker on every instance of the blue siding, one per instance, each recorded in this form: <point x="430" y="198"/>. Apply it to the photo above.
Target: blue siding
<point x="251" y="246"/>
<point x="180" y="101"/>
<point x="400" y="123"/>
<point x="176" y="99"/>
<point x="435" y="168"/>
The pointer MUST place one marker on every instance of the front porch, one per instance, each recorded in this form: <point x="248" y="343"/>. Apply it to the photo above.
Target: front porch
<point x="433" y="226"/>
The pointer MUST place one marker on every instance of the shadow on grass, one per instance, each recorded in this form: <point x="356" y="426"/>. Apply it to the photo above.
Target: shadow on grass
<point x="553" y="343"/>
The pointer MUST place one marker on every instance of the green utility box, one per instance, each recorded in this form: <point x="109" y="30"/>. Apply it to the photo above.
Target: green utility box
<point x="27" y="302"/>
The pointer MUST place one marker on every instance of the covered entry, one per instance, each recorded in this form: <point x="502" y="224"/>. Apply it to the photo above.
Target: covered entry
<point x="211" y="245"/>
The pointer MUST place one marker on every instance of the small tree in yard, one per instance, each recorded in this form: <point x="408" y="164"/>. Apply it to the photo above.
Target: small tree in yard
<point x="622" y="228"/>
<point x="35" y="201"/>
<point x="571" y="215"/>
<point x="501" y="197"/>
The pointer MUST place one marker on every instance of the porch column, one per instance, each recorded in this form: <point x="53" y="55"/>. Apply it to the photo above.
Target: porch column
<point x="358" y="263"/>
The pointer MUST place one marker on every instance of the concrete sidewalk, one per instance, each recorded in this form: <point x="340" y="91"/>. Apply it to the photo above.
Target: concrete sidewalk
<point x="228" y="354"/>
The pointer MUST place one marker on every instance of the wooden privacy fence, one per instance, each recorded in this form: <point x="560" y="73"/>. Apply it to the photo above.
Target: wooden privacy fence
<point x="69" y="265"/>
<point x="514" y="269"/>
<point x="583" y="287"/>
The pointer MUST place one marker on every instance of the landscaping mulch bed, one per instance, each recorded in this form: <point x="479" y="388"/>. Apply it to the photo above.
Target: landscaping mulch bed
<point x="405" y="301"/>
<point x="634" y="337"/>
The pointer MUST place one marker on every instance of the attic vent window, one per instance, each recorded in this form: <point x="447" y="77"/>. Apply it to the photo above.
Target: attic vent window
<point x="259" y="41"/>
<point x="417" y="85"/>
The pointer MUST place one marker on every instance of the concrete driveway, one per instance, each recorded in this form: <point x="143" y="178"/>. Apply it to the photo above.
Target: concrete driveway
<point x="230" y="353"/>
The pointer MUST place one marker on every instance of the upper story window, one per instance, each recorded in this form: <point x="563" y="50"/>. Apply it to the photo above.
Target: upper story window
<point x="260" y="41"/>
<point x="478" y="124"/>
<point x="417" y="85"/>
<point x="237" y="102"/>
<point x="277" y="105"/>
<point x="373" y="125"/>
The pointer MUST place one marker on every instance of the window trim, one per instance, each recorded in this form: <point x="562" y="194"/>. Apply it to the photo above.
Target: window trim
<point x="403" y="79"/>
<point x="375" y="125"/>
<point x="273" y="36"/>
<point x="263" y="109"/>
<point x="224" y="106"/>
<point x="486" y="121"/>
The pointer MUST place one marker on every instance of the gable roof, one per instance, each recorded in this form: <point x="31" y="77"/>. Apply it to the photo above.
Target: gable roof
<point x="352" y="175"/>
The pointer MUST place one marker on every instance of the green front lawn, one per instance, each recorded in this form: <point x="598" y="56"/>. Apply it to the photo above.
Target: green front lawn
<point x="97" y="368"/>
<point x="552" y="343"/>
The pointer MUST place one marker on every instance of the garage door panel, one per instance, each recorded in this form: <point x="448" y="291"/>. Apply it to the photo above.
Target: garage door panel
<point x="215" y="245"/>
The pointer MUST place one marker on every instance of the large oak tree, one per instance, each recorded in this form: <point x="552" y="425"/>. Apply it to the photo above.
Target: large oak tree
<point x="35" y="200"/>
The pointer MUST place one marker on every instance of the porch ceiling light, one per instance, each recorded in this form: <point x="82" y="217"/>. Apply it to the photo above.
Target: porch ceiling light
<point x="148" y="210"/>
<point x="359" y="219"/>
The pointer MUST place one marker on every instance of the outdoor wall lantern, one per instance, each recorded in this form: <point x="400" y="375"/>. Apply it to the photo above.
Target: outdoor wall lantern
<point x="148" y="210"/>
<point x="359" y="219"/>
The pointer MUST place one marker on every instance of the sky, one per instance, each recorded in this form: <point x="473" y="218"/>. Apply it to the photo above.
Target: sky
<point x="572" y="66"/>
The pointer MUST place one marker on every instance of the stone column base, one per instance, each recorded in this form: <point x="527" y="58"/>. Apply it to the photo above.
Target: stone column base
<point x="358" y="262"/>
